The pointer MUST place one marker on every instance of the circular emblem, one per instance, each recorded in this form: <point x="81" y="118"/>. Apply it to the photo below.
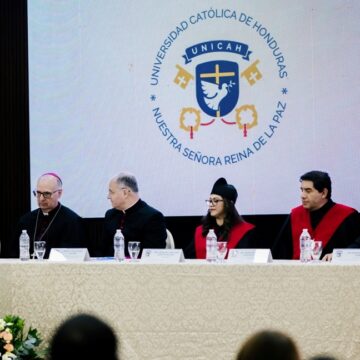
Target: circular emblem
<point x="205" y="86"/>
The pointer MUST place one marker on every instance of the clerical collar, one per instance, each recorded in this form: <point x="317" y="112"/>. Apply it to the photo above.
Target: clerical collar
<point x="132" y="208"/>
<point x="54" y="213"/>
<point x="51" y="212"/>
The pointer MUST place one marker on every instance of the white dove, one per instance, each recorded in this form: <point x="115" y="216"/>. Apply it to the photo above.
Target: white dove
<point x="213" y="94"/>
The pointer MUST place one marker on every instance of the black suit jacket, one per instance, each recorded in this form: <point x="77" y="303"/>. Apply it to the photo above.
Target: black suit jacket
<point x="141" y="223"/>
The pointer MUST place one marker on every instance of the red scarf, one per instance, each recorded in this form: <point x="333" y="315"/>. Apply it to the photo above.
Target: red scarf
<point x="300" y="219"/>
<point x="236" y="234"/>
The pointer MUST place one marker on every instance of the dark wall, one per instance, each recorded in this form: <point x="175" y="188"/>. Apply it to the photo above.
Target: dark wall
<point x="14" y="105"/>
<point x="14" y="133"/>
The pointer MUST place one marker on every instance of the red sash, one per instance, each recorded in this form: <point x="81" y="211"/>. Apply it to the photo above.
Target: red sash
<point x="236" y="234"/>
<point x="300" y="219"/>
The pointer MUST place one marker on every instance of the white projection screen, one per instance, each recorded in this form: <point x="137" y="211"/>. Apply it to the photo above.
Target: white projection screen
<point x="181" y="93"/>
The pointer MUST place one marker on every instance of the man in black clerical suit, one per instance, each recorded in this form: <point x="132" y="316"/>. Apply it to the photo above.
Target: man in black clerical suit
<point x="52" y="222"/>
<point x="137" y="220"/>
<point x="336" y="225"/>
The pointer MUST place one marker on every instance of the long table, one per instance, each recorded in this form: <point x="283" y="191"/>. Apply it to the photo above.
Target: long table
<point x="192" y="310"/>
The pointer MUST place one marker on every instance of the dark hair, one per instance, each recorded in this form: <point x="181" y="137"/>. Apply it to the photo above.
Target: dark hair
<point x="322" y="357"/>
<point x="83" y="336"/>
<point x="269" y="345"/>
<point x="231" y="218"/>
<point x="128" y="180"/>
<point x="320" y="179"/>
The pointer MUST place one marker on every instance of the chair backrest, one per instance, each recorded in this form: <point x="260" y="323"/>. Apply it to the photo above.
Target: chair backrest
<point x="170" y="244"/>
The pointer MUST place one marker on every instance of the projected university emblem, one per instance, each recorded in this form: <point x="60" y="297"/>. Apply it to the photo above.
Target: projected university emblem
<point x="234" y="88"/>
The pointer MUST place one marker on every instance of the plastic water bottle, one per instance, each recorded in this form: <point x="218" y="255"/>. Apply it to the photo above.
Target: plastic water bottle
<point x="119" y="246"/>
<point x="211" y="246"/>
<point x="305" y="246"/>
<point x="24" y="243"/>
<point x="308" y="248"/>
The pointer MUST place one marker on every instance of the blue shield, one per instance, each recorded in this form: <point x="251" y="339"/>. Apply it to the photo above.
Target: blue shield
<point x="217" y="87"/>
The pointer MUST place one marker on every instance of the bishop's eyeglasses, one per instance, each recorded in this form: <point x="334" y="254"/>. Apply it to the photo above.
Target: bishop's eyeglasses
<point x="45" y="194"/>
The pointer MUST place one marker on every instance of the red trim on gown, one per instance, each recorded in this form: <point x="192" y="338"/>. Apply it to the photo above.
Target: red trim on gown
<point x="235" y="236"/>
<point x="300" y="219"/>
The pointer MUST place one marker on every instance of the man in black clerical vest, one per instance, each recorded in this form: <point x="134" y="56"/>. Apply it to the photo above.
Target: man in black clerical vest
<point x="52" y="222"/>
<point x="137" y="220"/>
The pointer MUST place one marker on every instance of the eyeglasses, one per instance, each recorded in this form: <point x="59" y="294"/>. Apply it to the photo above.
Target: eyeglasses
<point x="213" y="201"/>
<point x="45" y="194"/>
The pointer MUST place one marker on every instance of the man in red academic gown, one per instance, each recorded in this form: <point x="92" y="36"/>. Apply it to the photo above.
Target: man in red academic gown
<point x="336" y="225"/>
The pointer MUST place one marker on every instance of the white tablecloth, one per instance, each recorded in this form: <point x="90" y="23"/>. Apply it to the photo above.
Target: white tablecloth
<point x="194" y="310"/>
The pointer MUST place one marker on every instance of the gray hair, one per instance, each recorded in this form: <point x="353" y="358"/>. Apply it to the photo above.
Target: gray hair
<point x="128" y="180"/>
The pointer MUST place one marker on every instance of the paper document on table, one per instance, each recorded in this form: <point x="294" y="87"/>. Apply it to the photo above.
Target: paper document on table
<point x="249" y="256"/>
<point x="69" y="254"/>
<point x="162" y="256"/>
<point x="343" y="256"/>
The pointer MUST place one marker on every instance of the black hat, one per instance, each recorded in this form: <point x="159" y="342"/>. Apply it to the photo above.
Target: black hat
<point x="227" y="191"/>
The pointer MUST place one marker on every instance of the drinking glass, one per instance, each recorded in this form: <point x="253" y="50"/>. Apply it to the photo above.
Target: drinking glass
<point x="316" y="250"/>
<point x="134" y="249"/>
<point x="221" y="251"/>
<point x="39" y="249"/>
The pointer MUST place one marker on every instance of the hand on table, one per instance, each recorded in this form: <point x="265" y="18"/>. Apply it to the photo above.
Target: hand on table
<point x="327" y="257"/>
